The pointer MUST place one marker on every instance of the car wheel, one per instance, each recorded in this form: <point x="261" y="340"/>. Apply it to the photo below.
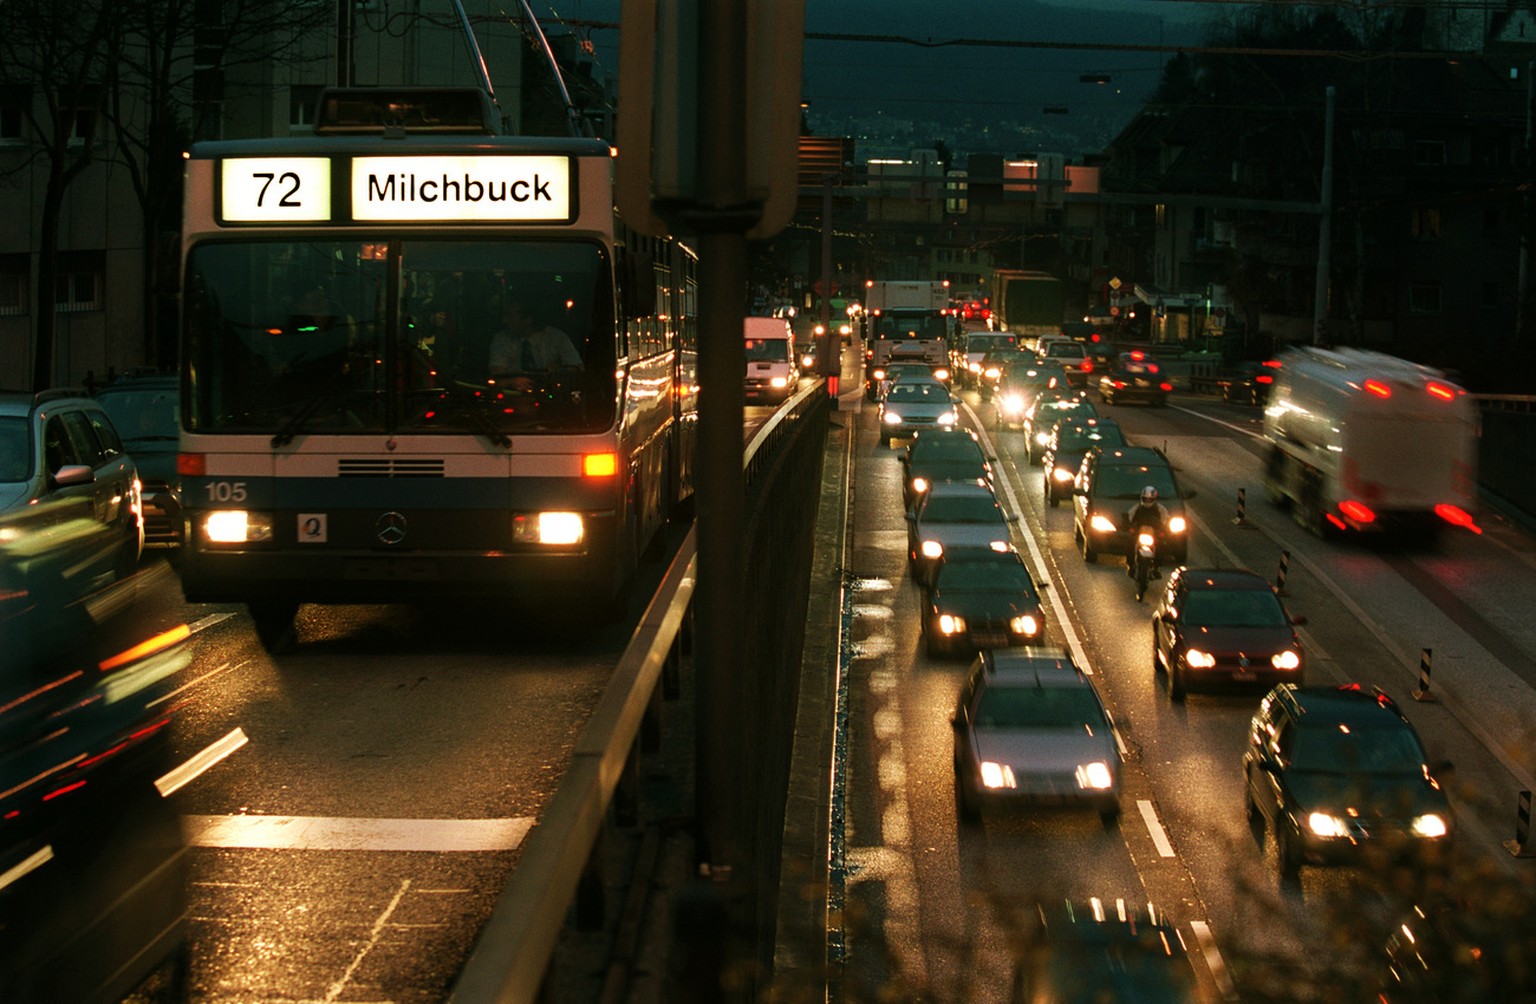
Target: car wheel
<point x="1287" y="859"/>
<point x="1109" y="815"/>
<point x="1157" y="662"/>
<point x="1090" y="553"/>
<point x="1050" y="496"/>
<point x="1176" y="683"/>
<point x="967" y="808"/>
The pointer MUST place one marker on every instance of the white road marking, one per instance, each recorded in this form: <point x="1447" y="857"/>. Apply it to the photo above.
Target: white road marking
<point x="1155" y="828"/>
<point x="205" y="623"/>
<point x="33" y="862"/>
<point x="174" y="780"/>
<point x="329" y="833"/>
<point x="1213" y="959"/>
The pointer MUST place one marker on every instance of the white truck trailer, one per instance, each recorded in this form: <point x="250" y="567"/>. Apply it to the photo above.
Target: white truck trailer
<point x="1362" y="441"/>
<point x="905" y="321"/>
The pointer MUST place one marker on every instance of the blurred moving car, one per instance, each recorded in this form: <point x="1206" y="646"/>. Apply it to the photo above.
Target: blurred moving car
<point x="1339" y="775"/>
<point x="1465" y="948"/>
<point x="1097" y="952"/>
<point x="953" y="516"/>
<point x="93" y="870"/>
<point x="69" y="487"/>
<point x="978" y="344"/>
<point x="1030" y="729"/>
<point x="942" y="454"/>
<point x="981" y="599"/>
<point x="1043" y="413"/>
<point x="1108" y="484"/>
<point x="1070" y="440"/>
<point x="1134" y="376"/>
<point x="1247" y="381"/>
<point x="144" y="411"/>
<point x="909" y="408"/>
<point x="1218" y="627"/>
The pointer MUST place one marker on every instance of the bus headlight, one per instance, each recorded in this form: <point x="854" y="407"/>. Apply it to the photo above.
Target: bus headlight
<point x="236" y="526"/>
<point x="548" y="528"/>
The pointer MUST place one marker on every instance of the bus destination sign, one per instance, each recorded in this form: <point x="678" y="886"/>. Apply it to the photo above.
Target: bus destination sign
<point x="275" y="190"/>
<point x="472" y="188"/>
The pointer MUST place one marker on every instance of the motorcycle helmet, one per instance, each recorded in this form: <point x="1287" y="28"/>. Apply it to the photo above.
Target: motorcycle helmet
<point x="1148" y="495"/>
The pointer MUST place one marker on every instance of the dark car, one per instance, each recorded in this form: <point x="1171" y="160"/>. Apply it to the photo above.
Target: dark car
<point x="942" y="454"/>
<point x="67" y="482"/>
<point x="1246" y="382"/>
<point x="1339" y="776"/>
<point x="1015" y="388"/>
<point x="954" y="516"/>
<point x="143" y="410"/>
<point x="1108" y="484"/>
<point x="1466" y="948"/>
<point x="1096" y="951"/>
<point x="1043" y="413"/>
<point x="1031" y="730"/>
<point x="981" y="599"/>
<point x="969" y="361"/>
<point x="1218" y="627"/>
<point x="1135" y="376"/>
<point x="1071" y="439"/>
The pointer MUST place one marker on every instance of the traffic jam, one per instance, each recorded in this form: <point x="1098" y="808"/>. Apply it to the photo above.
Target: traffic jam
<point x="1242" y="690"/>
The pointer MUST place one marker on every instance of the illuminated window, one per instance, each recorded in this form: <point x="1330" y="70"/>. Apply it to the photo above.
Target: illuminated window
<point x="302" y="99"/>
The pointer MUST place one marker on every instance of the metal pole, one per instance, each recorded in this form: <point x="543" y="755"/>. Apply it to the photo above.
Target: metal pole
<point x="1324" y="231"/>
<point x="1527" y="223"/>
<point x="344" y="20"/>
<point x="725" y="769"/>
<point x="831" y="347"/>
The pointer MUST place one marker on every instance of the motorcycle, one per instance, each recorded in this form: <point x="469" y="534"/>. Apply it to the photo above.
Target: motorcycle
<point x="1144" y="561"/>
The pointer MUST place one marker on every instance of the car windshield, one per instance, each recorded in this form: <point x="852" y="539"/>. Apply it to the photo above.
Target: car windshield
<point x="1080" y="438"/>
<point x="1233" y="608"/>
<point x="774" y="350"/>
<point x="1366" y="748"/>
<point x="956" y="447"/>
<point x="15" y="448"/>
<point x="1030" y="707"/>
<point x="989" y="343"/>
<point x="142" y="415"/>
<point x="411" y="336"/>
<point x="918" y="392"/>
<point x="961" y="509"/>
<point x="1065" y="350"/>
<point x="1063" y="405"/>
<point x="991" y="576"/>
<point x="1125" y="481"/>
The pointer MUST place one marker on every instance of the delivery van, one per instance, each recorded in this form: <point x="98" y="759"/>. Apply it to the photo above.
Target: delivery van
<point x="772" y="374"/>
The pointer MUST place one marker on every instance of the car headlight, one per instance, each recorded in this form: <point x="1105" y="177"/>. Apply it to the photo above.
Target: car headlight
<point x="1289" y="659"/>
<point x="948" y="418"/>
<point x="1431" y="824"/>
<point x="778" y="382"/>
<point x="845" y="329"/>
<point x="549" y="528"/>
<point x="891" y="418"/>
<point x="1096" y="776"/>
<point x="997" y="775"/>
<point x="992" y="373"/>
<point x="951" y="625"/>
<point x="1062" y="474"/>
<point x="1101" y="524"/>
<point x="974" y="367"/>
<point x="1012" y="404"/>
<point x="807" y="361"/>
<point x="1024" y="624"/>
<point x="931" y="549"/>
<point x="1176" y="524"/>
<point x="878" y="374"/>
<point x="941" y="374"/>
<point x="919" y="486"/>
<point x="1326" y="825"/>
<point x="236" y="526"/>
<point x="1043" y="438"/>
<point x="1196" y="659"/>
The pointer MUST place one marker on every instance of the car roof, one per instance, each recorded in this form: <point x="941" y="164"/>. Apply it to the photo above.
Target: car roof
<point x="1131" y="456"/>
<point x="19" y="402"/>
<point x="1223" y="578"/>
<point x="975" y="487"/>
<point x="1348" y="703"/>
<point x="1045" y="665"/>
<point x="131" y="383"/>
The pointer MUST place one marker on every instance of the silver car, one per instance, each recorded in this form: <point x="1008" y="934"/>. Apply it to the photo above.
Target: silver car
<point x="954" y="516"/>
<point x="1030" y="729"/>
<point x="910" y="408"/>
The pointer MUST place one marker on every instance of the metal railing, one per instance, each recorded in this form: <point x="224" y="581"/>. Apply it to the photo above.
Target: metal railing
<point x="514" y="950"/>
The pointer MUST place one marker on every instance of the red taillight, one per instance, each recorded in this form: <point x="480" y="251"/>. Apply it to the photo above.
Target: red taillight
<point x="1165" y="386"/>
<point x="1263" y="378"/>
<point x="1137" y="355"/>
<point x="1152" y="367"/>
<point x="1356" y="511"/>
<point x="1457" y="516"/>
<point x="1273" y="364"/>
<point x="1441" y="391"/>
<point x="1378" y="388"/>
<point x="1087" y="365"/>
<point x="192" y="465"/>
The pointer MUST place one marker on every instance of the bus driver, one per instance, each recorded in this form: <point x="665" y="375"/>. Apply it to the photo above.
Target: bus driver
<point x="525" y="345"/>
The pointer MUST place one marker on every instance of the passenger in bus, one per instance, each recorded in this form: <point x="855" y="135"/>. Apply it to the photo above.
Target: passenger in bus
<point x="526" y="347"/>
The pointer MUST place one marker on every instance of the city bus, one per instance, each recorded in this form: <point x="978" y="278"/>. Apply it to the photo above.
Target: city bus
<point x="355" y="427"/>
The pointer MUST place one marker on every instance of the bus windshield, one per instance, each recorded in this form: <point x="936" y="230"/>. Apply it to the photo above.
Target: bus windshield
<point x="399" y="336"/>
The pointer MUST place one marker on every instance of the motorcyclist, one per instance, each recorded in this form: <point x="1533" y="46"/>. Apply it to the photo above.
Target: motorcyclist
<point x="1147" y="512"/>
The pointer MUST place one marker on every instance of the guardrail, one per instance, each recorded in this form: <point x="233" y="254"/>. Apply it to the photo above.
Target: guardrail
<point x="516" y="945"/>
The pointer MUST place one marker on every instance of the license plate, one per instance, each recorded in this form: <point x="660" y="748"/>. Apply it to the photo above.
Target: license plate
<point x="989" y="639"/>
<point x="1140" y="382"/>
<point x="1244" y="675"/>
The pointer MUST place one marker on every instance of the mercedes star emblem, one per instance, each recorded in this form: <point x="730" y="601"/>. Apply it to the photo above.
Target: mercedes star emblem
<point x="390" y="528"/>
